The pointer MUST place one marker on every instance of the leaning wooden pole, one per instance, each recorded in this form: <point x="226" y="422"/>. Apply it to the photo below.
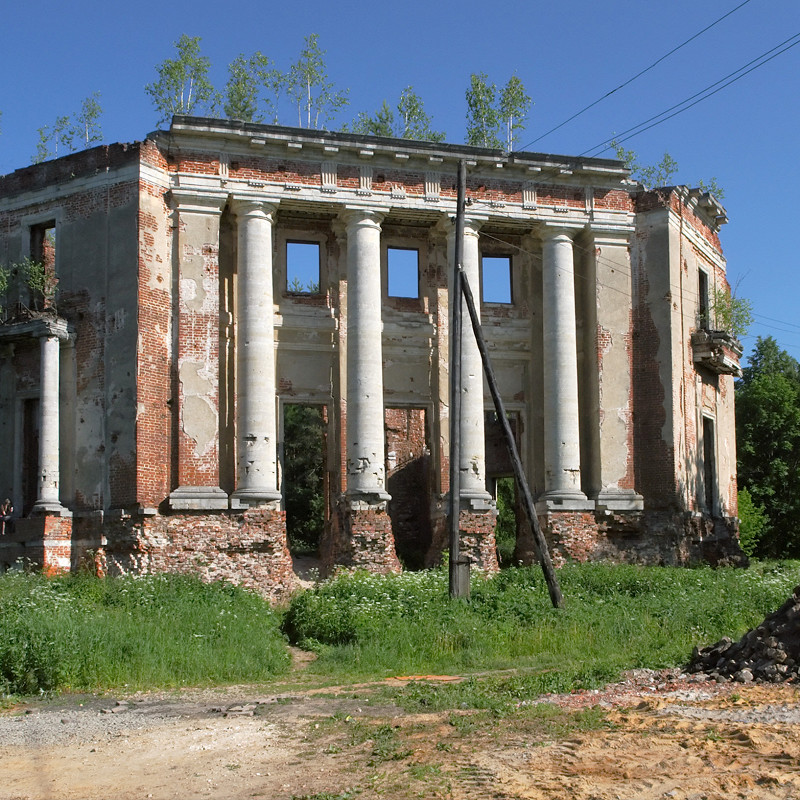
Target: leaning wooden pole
<point x="456" y="587"/>
<point x="541" y="545"/>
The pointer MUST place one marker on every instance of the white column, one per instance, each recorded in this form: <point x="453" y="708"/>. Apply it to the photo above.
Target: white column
<point x="562" y="455"/>
<point x="471" y="428"/>
<point x="256" y="429"/>
<point x="366" y="469"/>
<point x="49" y="425"/>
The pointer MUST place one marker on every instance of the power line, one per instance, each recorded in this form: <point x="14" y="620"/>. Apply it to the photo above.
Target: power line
<point x="703" y="94"/>
<point x="637" y="75"/>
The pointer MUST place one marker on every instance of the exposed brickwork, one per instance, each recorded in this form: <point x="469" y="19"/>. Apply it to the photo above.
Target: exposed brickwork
<point x="360" y="538"/>
<point x="247" y="548"/>
<point x="148" y="292"/>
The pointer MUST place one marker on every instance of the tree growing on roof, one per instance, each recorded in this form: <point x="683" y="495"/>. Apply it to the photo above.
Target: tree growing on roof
<point x="307" y="84"/>
<point x="411" y="121"/>
<point x="183" y="86"/>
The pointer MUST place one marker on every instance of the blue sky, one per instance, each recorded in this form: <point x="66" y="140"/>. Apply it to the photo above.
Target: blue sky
<point x="568" y="55"/>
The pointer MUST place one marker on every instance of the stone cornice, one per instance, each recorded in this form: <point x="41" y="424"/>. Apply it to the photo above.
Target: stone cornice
<point x="36" y="328"/>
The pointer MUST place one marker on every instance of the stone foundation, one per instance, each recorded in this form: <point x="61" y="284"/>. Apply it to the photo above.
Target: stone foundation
<point x="43" y="541"/>
<point x="360" y="536"/>
<point x="476" y="536"/>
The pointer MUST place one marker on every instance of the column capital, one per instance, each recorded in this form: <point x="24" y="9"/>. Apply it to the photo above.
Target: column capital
<point x="472" y="224"/>
<point x="550" y="231"/>
<point x="253" y="207"/>
<point x="358" y="216"/>
<point x="185" y="201"/>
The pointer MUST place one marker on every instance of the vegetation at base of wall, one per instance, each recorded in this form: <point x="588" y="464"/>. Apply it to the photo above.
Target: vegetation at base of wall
<point x="79" y="632"/>
<point x="616" y="618"/>
<point x="84" y="633"/>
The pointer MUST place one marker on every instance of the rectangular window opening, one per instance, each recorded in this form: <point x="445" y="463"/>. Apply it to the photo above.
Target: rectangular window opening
<point x="704" y="310"/>
<point x="709" y="464"/>
<point x="402" y="266"/>
<point x="303" y="267"/>
<point x="496" y="279"/>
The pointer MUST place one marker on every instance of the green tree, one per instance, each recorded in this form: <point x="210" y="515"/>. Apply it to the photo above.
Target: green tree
<point x="483" y="121"/>
<point x="86" y="128"/>
<point x="382" y="124"/>
<point x="768" y="445"/>
<point x="494" y="118"/>
<point x="731" y="314"/>
<point x="753" y="521"/>
<point x="514" y="107"/>
<point x="70" y="134"/>
<point x="412" y="121"/>
<point x="183" y="86"/>
<point x="252" y="82"/>
<point x="308" y="86"/>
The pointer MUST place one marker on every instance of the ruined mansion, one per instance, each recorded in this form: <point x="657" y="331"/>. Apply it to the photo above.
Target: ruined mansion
<point x="219" y="273"/>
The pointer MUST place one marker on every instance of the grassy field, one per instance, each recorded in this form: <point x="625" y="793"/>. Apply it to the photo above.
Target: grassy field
<point x="83" y="633"/>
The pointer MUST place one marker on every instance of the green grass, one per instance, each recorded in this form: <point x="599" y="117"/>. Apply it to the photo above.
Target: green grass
<point x="82" y="633"/>
<point x="616" y="617"/>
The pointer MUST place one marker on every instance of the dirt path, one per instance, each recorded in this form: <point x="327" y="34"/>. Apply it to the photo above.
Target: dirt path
<point x="648" y="737"/>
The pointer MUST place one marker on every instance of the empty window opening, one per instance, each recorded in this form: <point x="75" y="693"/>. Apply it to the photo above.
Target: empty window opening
<point x="709" y="465"/>
<point x="505" y="532"/>
<point x="37" y="273"/>
<point x="408" y="471"/>
<point x="704" y="310"/>
<point x="403" y="272"/>
<point x="304" y="476"/>
<point x="496" y="279"/>
<point x="303" y="267"/>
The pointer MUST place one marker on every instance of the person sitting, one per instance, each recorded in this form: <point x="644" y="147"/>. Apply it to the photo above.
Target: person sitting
<point x="6" y="514"/>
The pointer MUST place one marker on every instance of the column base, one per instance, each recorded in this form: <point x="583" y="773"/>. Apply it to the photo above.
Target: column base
<point x="198" y="498"/>
<point x="619" y="500"/>
<point x="563" y="501"/>
<point x="258" y="496"/>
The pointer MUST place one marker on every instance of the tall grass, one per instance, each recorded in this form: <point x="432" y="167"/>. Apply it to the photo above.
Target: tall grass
<point x="83" y="633"/>
<point x="616" y="617"/>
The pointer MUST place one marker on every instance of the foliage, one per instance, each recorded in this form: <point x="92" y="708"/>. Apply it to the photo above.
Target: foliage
<point x="411" y="122"/>
<point x="505" y="531"/>
<point x="42" y="281"/>
<point x="183" y="86"/>
<point x="661" y="174"/>
<point x="768" y="444"/>
<point x="308" y="86"/>
<point x="5" y="273"/>
<point x="303" y="476"/>
<point x="617" y="617"/>
<point x="753" y="521"/>
<point x="515" y="104"/>
<point x="71" y="134"/>
<point x="493" y="119"/>
<point x="81" y="632"/>
<point x="732" y="314"/>
<point x="712" y="187"/>
<point x="248" y="78"/>
<point x="482" y="114"/>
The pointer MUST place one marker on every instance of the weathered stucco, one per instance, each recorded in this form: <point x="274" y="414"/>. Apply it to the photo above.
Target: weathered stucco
<point x="186" y="340"/>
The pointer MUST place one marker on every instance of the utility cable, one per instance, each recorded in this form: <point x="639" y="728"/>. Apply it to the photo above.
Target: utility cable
<point x="637" y="75"/>
<point x="706" y="93"/>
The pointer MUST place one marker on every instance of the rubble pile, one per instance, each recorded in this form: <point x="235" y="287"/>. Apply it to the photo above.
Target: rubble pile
<point x="769" y="653"/>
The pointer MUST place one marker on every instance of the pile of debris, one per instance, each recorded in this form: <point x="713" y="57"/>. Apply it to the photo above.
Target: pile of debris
<point x="769" y="653"/>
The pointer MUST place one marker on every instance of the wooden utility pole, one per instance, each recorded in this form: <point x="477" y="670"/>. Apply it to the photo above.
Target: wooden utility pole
<point x="457" y="569"/>
<point x="546" y="563"/>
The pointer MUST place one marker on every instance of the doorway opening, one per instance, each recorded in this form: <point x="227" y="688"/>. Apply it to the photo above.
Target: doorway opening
<point x="304" y="489"/>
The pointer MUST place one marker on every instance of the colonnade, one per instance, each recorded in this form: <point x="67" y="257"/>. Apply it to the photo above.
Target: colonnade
<point x="256" y="423"/>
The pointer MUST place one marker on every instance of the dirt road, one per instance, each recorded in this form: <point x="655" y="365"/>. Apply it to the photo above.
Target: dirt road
<point x="653" y="736"/>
